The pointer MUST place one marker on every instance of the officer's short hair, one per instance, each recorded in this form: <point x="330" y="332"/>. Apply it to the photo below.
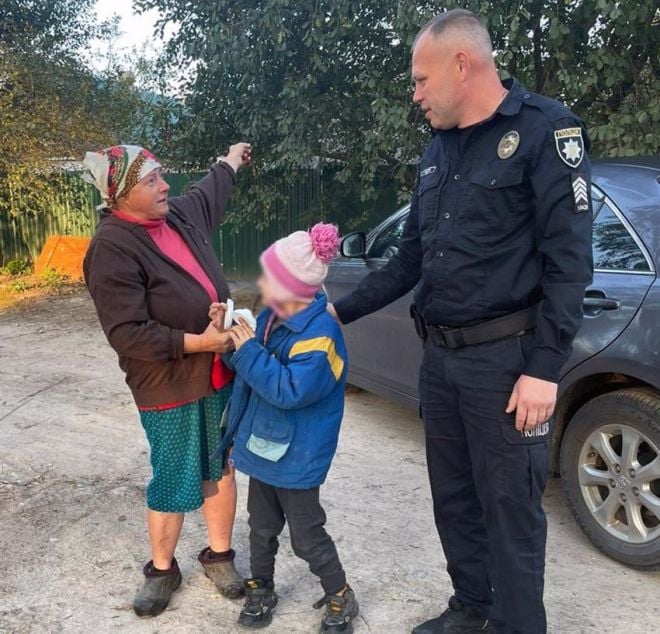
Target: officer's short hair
<point x="459" y="20"/>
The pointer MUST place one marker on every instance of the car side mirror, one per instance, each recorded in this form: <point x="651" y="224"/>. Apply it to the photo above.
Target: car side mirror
<point x="354" y="245"/>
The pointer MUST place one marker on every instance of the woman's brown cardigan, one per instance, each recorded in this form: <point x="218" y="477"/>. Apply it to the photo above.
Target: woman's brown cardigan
<point x="146" y="302"/>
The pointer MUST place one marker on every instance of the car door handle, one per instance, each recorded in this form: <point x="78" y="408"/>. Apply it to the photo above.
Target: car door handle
<point x="602" y="303"/>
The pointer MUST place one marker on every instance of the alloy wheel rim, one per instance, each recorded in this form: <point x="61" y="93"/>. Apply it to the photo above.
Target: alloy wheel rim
<point x="619" y="478"/>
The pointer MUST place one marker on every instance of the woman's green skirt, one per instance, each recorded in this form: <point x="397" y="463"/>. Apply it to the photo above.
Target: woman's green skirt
<point x="181" y="440"/>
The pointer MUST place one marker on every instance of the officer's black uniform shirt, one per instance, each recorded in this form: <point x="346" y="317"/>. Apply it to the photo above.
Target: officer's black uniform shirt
<point x="498" y="222"/>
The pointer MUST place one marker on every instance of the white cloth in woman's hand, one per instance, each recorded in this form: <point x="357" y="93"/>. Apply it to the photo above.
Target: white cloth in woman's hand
<point x="232" y="314"/>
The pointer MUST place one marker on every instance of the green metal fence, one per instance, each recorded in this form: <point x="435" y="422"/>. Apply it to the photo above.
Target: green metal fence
<point x="72" y="211"/>
<point x="295" y="205"/>
<point x="69" y="210"/>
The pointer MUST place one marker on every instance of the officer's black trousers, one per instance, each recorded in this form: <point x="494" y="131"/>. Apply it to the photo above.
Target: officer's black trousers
<point x="268" y="508"/>
<point x="487" y="481"/>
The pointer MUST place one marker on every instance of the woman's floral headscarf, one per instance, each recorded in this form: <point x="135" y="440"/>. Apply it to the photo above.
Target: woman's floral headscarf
<point x="115" y="170"/>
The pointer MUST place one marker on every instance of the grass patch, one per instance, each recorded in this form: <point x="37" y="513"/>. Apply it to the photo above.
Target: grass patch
<point x="18" y="284"/>
<point x="14" y="268"/>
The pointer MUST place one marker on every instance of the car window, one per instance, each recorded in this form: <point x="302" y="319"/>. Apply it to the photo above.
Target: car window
<point x="387" y="243"/>
<point x="614" y="248"/>
<point x="597" y="199"/>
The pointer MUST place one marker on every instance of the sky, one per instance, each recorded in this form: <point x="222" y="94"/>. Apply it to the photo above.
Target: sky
<point x="136" y="30"/>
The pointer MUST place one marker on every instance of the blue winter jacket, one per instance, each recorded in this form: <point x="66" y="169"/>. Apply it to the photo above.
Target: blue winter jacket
<point x="288" y="399"/>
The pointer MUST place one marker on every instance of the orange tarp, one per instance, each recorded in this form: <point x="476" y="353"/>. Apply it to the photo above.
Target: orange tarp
<point x="64" y="254"/>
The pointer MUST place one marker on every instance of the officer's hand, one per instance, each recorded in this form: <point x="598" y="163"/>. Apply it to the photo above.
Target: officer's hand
<point x="533" y="401"/>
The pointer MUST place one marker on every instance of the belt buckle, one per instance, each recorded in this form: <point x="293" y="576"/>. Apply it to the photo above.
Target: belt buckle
<point x="452" y="337"/>
<point x="440" y="336"/>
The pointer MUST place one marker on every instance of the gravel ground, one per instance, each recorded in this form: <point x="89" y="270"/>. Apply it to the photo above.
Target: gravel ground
<point x="74" y="463"/>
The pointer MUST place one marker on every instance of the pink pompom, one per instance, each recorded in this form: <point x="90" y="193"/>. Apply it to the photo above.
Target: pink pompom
<point x="325" y="241"/>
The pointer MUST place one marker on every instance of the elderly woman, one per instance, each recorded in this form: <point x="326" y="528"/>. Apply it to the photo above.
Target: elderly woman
<point x="152" y="273"/>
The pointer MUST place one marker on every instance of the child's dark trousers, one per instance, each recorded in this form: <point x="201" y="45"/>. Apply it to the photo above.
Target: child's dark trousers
<point x="269" y="507"/>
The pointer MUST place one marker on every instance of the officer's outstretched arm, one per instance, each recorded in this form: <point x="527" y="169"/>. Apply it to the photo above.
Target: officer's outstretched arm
<point x="561" y="179"/>
<point x="395" y="279"/>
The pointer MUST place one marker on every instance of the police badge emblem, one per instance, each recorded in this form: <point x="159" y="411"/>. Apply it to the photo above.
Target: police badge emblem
<point x="570" y="145"/>
<point x="508" y="144"/>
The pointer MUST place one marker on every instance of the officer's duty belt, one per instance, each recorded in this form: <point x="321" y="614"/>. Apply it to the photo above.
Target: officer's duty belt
<point x="511" y="325"/>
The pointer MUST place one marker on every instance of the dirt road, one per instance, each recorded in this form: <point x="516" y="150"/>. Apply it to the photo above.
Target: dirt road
<point x="74" y="463"/>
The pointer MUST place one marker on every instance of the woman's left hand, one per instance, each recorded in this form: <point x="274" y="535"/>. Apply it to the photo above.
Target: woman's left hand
<point x="241" y="333"/>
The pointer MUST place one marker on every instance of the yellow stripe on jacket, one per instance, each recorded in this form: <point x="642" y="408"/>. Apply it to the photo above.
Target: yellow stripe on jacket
<point x="320" y="344"/>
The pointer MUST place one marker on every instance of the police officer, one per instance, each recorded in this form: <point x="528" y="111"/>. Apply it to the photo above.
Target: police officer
<point x="498" y="243"/>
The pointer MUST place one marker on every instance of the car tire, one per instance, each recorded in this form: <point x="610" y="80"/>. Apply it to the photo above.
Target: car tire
<point x="622" y="526"/>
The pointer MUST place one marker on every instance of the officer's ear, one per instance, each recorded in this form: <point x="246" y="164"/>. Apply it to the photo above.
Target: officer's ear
<point x="462" y="64"/>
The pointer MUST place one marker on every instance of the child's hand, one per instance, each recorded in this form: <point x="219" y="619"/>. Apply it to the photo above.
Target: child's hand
<point x="241" y="333"/>
<point x="217" y="315"/>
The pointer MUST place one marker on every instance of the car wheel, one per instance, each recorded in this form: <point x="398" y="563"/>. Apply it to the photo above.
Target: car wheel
<point x="610" y="472"/>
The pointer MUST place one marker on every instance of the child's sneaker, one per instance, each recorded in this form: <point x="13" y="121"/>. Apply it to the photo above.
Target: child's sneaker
<point x="260" y="601"/>
<point x="340" y="612"/>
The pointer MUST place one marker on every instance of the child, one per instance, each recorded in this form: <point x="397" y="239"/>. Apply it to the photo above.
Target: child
<point x="284" y="418"/>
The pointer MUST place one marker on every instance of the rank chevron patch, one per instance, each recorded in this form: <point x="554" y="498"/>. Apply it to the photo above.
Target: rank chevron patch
<point x="580" y="193"/>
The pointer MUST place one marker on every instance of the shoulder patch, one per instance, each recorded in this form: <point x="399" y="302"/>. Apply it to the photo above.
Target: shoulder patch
<point x="570" y="145"/>
<point x="580" y="193"/>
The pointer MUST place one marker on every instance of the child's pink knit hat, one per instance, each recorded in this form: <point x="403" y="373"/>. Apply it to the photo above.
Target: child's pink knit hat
<point x="298" y="264"/>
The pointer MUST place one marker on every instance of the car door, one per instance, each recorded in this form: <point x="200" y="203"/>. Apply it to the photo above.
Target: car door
<point x="385" y="353"/>
<point x="623" y="274"/>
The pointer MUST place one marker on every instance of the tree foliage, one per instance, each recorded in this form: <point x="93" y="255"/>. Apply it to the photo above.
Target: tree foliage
<point x="45" y="97"/>
<point x="53" y="107"/>
<point x="49" y="28"/>
<point x="326" y="82"/>
<point x="601" y="57"/>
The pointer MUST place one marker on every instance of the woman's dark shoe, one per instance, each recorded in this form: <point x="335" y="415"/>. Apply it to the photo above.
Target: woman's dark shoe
<point x="159" y="585"/>
<point x="260" y="601"/>
<point x="219" y="568"/>
<point x="340" y="612"/>
<point x="456" y="619"/>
